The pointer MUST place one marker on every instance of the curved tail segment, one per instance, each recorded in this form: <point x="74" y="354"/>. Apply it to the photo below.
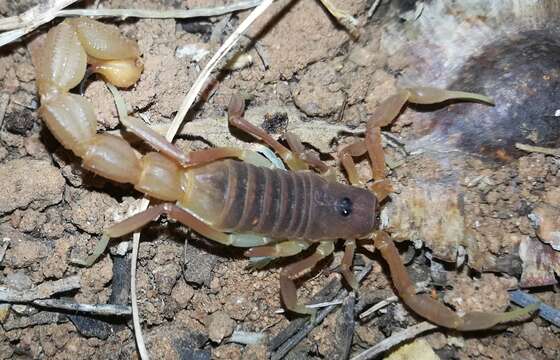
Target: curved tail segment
<point x="60" y="65"/>
<point x="433" y="310"/>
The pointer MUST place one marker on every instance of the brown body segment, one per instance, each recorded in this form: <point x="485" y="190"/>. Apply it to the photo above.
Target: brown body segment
<point x="277" y="203"/>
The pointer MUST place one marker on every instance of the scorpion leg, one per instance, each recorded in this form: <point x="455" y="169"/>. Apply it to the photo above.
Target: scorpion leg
<point x="288" y="289"/>
<point x="380" y="188"/>
<point x="346" y="266"/>
<point x="179" y="214"/>
<point x="308" y="156"/>
<point x="263" y="255"/>
<point x="346" y="155"/>
<point x="422" y="304"/>
<point x="431" y="309"/>
<point x="281" y="249"/>
<point x="236" y="109"/>
<point x="388" y="111"/>
<point x="199" y="157"/>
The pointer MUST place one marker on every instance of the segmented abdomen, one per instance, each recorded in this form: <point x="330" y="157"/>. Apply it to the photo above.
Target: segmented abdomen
<point x="235" y="196"/>
<point x="272" y="202"/>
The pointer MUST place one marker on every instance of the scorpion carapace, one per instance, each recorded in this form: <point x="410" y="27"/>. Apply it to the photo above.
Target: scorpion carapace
<point x="234" y="196"/>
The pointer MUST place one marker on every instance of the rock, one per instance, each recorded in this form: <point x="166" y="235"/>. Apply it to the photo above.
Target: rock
<point x="4" y="312"/>
<point x="362" y="56"/>
<point x="419" y="350"/>
<point x="23" y="252"/>
<point x="120" y="285"/>
<point x="91" y="327"/>
<point x="530" y="333"/>
<point x="18" y="281"/>
<point x="19" y="122"/>
<point x="219" y="326"/>
<point x="227" y="352"/>
<point x="255" y="352"/>
<point x="91" y="211"/>
<point x="317" y="94"/>
<point x="546" y="219"/>
<point x="541" y="263"/>
<point x="431" y="213"/>
<point x="166" y="276"/>
<point x="198" y="265"/>
<point x="466" y="293"/>
<point x="29" y="183"/>
<point x="182" y="293"/>
<point x="56" y="263"/>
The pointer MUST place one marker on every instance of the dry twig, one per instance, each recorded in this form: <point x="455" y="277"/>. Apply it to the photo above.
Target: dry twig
<point x="4" y="101"/>
<point x="538" y="149"/>
<point x="42" y="291"/>
<point x="547" y="312"/>
<point x="344" y="332"/>
<point x="30" y="20"/>
<point x="17" y="26"/>
<point x="92" y="309"/>
<point x="391" y="299"/>
<point x="291" y="342"/>
<point x="163" y="14"/>
<point x="394" y="340"/>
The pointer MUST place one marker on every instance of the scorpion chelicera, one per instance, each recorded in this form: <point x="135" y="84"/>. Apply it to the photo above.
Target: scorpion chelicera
<point x="233" y="196"/>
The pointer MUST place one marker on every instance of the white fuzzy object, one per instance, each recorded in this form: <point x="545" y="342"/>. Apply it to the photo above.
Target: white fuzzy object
<point x="447" y="33"/>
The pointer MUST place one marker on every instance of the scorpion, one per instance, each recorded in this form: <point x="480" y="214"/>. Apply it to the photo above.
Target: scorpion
<point x="234" y="196"/>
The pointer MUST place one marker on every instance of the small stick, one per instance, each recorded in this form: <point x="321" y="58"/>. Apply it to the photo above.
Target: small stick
<point x="344" y="332"/>
<point x="163" y="14"/>
<point x="37" y="15"/>
<point x="538" y="149"/>
<point x="547" y="312"/>
<point x="394" y="340"/>
<point x="315" y="306"/>
<point x="246" y="337"/>
<point x="373" y="8"/>
<point x="383" y="303"/>
<point x="43" y="13"/>
<point x="4" y="101"/>
<point x="43" y="291"/>
<point x="308" y="327"/>
<point x="325" y="294"/>
<point x="92" y="309"/>
<point x="30" y="20"/>
<point x="5" y="242"/>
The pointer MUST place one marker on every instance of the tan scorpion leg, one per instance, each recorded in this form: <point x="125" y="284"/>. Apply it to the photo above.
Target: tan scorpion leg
<point x="288" y="289"/>
<point x="236" y="109"/>
<point x="176" y="213"/>
<point x="193" y="158"/>
<point x="346" y="265"/>
<point x="421" y="304"/>
<point x="431" y="309"/>
<point x="384" y="115"/>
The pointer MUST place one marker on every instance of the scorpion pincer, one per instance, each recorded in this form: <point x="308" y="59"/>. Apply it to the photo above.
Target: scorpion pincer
<point x="234" y="196"/>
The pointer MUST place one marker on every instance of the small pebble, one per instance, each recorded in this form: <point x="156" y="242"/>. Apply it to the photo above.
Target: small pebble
<point x="219" y="326"/>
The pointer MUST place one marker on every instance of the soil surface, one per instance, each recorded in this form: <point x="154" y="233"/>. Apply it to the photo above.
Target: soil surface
<point x="470" y="227"/>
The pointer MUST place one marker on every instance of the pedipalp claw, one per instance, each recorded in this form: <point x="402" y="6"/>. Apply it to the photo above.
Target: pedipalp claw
<point x="481" y="320"/>
<point x="429" y="95"/>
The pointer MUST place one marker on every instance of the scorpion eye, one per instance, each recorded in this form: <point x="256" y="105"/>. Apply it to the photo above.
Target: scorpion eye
<point x="344" y="206"/>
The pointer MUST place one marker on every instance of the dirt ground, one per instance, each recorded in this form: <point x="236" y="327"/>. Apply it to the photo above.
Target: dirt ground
<point x="475" y="216"/>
